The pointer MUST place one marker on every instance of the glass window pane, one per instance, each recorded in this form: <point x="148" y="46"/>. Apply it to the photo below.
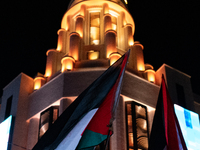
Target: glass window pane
<point x="55" y="115"/>
<point x="137" y="126"/>
<point x="130" y="140"/>
<point x="43" y="129"/>
<point x="114" y="22"/>
<point x="95" y="28"/>
<point x="129" y="109"/>
<point x="142" y="124"/>
<point x="44" y="123"/>
<point x="140" y="111"/>
<point x="92" y="55"/>
<point x="47" y="118"/>
<point x="130" y="124"/>
<point x="143" y="143"/>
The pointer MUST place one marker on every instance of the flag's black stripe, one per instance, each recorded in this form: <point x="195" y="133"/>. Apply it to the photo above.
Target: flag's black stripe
<point x="91" y="98"/>
<point x="157" y="139"/>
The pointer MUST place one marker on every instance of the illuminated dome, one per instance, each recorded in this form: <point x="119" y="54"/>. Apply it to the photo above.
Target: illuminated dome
<point x="90" y="30"/>
<point x="114" y="7"/>
<point x="120" y="2"/>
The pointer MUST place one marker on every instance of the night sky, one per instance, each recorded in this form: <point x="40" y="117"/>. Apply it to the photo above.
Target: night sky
<point x="169" y="32"/>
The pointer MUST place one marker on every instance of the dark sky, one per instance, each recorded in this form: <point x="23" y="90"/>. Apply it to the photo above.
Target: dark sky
<point x="169" y="31"/>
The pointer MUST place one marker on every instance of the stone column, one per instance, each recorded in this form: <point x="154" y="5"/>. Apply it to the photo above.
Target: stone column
<point x="62" y="35"/>
<point x="110" y="42"/>
<point x="79" y="25"/>
<point x="107" y="22"/>
<point x="74" y="48"/>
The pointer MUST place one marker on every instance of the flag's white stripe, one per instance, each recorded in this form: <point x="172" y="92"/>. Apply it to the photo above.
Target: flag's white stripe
<point x="71" y="141"/>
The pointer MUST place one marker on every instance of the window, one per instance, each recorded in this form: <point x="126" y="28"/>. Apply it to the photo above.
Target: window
<point x="94" y="28"/>
<point x="92" y="55"/>
<point x="136" y="126"/>
<point x="114" y="22"/>
<point x="47" y="118"/>
<point x="8" y="107"/>
<point x="114" y="25"/>
<point x="180" y="95"/>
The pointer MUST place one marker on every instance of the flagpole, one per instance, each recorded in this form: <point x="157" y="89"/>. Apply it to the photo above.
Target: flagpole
<point x="115" y="107"/>
<point x="108" y="136"/>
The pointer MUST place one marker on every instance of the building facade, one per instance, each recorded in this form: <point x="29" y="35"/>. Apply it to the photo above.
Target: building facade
<point x="93" y="35"/>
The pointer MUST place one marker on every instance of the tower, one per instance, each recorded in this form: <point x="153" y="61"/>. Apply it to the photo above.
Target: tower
<point x="93" y="35"/>
<point x="96" y="30"/>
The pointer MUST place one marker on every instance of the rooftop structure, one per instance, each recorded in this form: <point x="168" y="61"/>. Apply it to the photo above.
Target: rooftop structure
<point x="93" y="35"/>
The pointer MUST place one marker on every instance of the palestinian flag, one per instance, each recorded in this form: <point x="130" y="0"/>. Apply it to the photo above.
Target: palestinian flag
<point x="166" y="133"/>
<point x="87" y="118"/>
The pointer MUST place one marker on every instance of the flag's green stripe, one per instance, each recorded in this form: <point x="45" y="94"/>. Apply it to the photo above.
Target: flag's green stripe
<point x="92" y="139"/>
<point x="91" y="98"/>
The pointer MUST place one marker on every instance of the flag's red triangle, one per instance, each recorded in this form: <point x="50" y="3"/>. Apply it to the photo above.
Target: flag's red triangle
<point x="166" y="132"/>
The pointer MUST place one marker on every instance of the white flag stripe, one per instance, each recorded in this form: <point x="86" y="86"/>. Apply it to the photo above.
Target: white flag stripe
<point x="71" y="141"/>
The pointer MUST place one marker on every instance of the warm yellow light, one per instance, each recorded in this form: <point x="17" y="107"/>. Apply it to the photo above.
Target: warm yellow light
<point x="97" y="4"/>
<point x="126" y="1"/>
<point x="129" y="34"/>
<point x="145" y="125"/>
<point x="75" y="55"/>
<point x="38" y="82"/>
<point x="129" y="120"/>
<point x="37" y="85"/>
<point x="94" y="33"/>
<point x="59" y="47"/>
<point x="61" y="35"/>
<point x="109" y="51"/>
<point x="124" y="22"/>
<point x="130" y="139"/>
<point x="48" y="72"/>
<point x="114" y="57"/>
<point x="107" y="28"/>
<point x="96" y="42"/>
<point x="114" y="16"/>
<point x="138" y="44"/>
<point x="131" y="43"/>
<point x="50" y="50"/>
<point x="92" y="55"/>
<point x="74" y="45"/>
<point x="67" y="27"/>
<point x="110" y="42"/>
<point x="140" y="67"/>
<point x="106" y="8"/>
<point x="107" y="22"/>
<point x="148" y="66"/>
<point x="67" y="63"/>
<point x="79" y="25"/>
<point x="152" y="79"/>
<point x="79" y="31"/>
<point x="150" y="75"/>
<point x="82" y="11"/>
<point x="113" y="13"/>
<point x="94" y="26"/>
<point x="114" y="27"/>
<point x="68" y="18"/>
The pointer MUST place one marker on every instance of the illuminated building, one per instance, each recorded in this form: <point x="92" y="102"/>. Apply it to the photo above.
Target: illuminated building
<point x="93" y="35"/>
